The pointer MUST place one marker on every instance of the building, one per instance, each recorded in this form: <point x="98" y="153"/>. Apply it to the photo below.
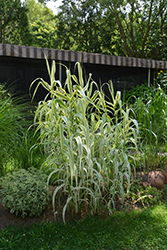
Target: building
<point x="20" y="65"/>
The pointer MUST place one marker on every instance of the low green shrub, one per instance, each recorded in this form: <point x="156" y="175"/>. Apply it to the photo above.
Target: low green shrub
<point x="24" y="192"/>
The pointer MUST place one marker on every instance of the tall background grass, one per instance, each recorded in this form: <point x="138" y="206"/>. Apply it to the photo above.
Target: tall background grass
<point x="16" y="140"/>
<point x="149" y="105"/>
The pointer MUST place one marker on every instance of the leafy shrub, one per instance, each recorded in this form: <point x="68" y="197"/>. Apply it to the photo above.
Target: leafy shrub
<point x="24" y="192"/>
<point x="139" y="91"/>
<point x="87" y="140"/>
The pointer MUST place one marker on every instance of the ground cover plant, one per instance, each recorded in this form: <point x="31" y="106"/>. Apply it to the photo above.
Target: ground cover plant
<point x="146" y="196"/>
<point x="24" y="192"/>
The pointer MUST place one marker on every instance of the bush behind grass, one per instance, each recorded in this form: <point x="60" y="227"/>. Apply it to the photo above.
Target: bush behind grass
<point x="149" y="105"/>
<point x="150" y="110"/>
<point x="137" y="230"/>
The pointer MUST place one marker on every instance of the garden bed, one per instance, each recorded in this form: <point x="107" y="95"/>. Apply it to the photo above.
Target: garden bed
<point x="7" y="218"/>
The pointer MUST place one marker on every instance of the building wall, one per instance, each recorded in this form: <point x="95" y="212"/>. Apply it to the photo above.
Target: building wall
<point x="20" y="72"/>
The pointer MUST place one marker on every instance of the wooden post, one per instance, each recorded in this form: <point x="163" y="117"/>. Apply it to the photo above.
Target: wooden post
<point x="60" y="72"/>
<point x="149" y="73"/>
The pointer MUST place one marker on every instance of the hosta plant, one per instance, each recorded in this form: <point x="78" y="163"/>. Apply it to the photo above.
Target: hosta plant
<point x="87" y="140"/>
<point x="24" y="192"/>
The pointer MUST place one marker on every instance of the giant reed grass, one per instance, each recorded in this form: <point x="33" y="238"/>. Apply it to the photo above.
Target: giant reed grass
<point x="87" y="140"/>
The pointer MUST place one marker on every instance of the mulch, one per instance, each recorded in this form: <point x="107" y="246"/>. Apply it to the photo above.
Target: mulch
<point x="7" y="219"/>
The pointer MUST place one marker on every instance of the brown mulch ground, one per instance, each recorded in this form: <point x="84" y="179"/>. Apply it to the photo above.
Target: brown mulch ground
<point x="7" y="219"/>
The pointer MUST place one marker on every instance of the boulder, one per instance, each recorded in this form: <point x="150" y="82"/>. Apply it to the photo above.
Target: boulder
<point x="155" y="178"/>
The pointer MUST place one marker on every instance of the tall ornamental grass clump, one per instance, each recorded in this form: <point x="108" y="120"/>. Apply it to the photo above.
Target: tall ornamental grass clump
<point x="87" y="140"/>
<point x="16" y="140"/>
<point x="11" y="125"/>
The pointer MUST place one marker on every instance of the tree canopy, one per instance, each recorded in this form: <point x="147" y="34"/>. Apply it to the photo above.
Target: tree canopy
<point x="142" y="26"/>
<point x="135" y="28"/>
<point x="14" y="28"/>
<point x="82" y="27"/>
<point x="43" y="25"/>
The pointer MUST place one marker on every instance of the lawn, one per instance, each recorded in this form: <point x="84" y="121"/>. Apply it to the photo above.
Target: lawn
<point x="139" y="229"/>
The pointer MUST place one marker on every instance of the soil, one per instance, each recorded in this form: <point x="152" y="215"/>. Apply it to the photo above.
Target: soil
<point x="7" y="219"/>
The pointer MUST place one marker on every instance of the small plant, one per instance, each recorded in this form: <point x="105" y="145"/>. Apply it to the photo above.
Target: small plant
<point x="162" y="79"/>
<point x="24" y="192"/>
<point x="146" y="196"/>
